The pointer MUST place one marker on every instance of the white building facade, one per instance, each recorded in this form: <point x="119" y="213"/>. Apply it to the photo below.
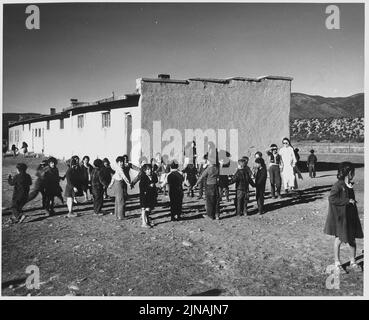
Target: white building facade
<point x="97" y="130"/>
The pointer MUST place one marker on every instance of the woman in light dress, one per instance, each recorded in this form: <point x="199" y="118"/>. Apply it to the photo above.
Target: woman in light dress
<point x="288" y="163"/>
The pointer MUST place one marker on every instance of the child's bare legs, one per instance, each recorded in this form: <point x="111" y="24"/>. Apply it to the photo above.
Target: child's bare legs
<point x="85" y="193"/>
<point x="352" y="252"/>
<point x="145" y="217"/>
<point x="337" y="246"/>
<point x="70" y="204"/>
<point x="70" y="208"/>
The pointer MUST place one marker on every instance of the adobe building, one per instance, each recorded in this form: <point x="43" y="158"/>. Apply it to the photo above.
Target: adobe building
<point x="245" y="114"/>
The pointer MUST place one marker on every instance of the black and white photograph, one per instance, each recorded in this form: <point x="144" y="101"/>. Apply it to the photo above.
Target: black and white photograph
<point x="182" y="150"/>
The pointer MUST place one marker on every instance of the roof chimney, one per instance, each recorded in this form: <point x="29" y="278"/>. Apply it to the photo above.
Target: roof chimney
<point x="164" y="76"/>
<point x="52" y="111"/>
<point x="73" y="102"/>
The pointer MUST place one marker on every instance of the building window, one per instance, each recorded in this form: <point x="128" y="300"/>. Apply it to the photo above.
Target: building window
<point x="39" y="132"/>
<point x="29" y="127"/>
<point x="80" y="121"/>
<point x="23" y="127"/>
<point x="48" y="125"/>
<point x="61" y="123"/>
<point x="106" y="120"/>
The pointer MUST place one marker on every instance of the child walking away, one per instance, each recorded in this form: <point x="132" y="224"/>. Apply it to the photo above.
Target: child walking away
<point x="190" y="173"/>
<point x="52" y="187"/>
<point x="147" y="194"/>
<point x="343" y="219"/>
<point x="211" y="178"/>
<point x="86" y="177"/>
<point x="106" y="174"/>
<point x="21" y="182"/>
<point x="311" y="163"/>
<point x="260" y="181"/>
<point x="175" y="181"/>
<point x="118" y="182"/>
<point x="97" y="186"/>
<point x="39" y="186"/>
<point x="242" y="179"/>
<point x="72" y="188"/>
<point x="274" y="171"/>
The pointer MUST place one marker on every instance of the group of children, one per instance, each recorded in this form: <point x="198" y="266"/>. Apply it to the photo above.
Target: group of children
<point x="83" y="179"/>
<point x="159" y="175"/>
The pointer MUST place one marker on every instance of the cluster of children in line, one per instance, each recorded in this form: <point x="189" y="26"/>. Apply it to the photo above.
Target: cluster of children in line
<point x="342" y="221"/>
<point x="84" y="179"/>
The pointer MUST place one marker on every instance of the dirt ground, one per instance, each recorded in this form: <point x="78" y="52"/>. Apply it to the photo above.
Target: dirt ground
<point x="281" y="253"/>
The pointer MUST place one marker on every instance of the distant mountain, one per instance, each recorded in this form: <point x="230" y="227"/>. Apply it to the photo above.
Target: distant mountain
<point x="304" y="106"/>
<point x="15" y="117"/>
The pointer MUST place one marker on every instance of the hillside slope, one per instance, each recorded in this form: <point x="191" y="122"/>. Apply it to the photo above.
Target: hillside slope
<point x="304" y="106"/>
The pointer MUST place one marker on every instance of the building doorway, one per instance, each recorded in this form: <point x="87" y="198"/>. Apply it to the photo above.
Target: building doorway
<point x="128" y="134"/>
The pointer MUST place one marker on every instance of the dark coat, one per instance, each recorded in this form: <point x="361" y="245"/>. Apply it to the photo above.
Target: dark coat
<point x="312" y="159"/>
<point x="21" y="183"/>
<point x="260" y="178"/>
<point x="175" y="180"/>
<point x="148" y="192"/>
<point x="210" y="175"/>
<point x="97" y="180"/>
<point x="242" y="179"/>
<point x="73" y="181"/>
<point x="51" y="182"/>
<point x="86" y="174"/>
<point x="342" y="219"/>
<point x="191" y="173"/>
<point x="106" y="174"/>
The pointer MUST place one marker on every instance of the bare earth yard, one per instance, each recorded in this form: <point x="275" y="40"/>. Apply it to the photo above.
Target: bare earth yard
<point x="284" y="252"/>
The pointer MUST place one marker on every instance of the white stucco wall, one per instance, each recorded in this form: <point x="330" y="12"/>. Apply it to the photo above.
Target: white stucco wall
<point x="92" y="140"/>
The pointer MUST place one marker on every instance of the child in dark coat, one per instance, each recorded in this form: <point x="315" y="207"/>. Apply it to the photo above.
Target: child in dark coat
<point x="148" y="193"/>
<point x="39" y="186"/>
<point x="242" y="179"/>
<point x="97" y="186"/>
<point x="106" y="174"/>
<point x="175" y="182"/>
<point x="311" y="163"/>
<point x="190" y="175"/>
<point x="52" y="187"/>
<point x="86" y="170"/>
<point x="21" y="182"/>
<point x="260" y="181"/>
<point x="343" y="219"/>
<point x="73" y="184"/>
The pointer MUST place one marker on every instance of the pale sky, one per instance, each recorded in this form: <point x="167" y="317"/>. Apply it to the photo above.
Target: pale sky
<point x="86" y="51"/>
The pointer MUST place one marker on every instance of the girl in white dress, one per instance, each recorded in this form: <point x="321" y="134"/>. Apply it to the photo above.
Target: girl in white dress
<point x="287" y="165"/>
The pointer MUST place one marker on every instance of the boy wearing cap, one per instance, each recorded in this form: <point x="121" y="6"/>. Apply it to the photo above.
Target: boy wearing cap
<point x="311" y="162"/>
<point x="274" y="171"/>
